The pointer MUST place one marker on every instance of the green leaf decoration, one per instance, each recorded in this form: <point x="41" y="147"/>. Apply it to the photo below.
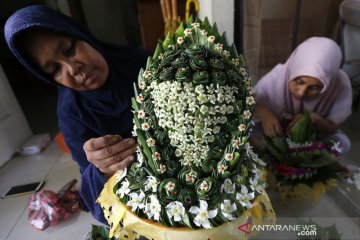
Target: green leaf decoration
<point x="241" y="60"/>
<point x="188" y="105"/>
<point x="169" y="40"/>
<point x="214" y="32"/>
<point x="233" y="51"/>
<point x="158" y="51"/>
<point x="189" y="21"/>
<point x="303" y="130"/>
<point x="206" y="24"/>
<point x="180" y="31"/>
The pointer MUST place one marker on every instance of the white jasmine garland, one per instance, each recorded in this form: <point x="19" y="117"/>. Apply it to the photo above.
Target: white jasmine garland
<point x="228" y="187"/>
<point x="175" y="210"/>
<point x="227" y="209"/>
<point x="151" y="183"/>
<point x="203" y="214"/>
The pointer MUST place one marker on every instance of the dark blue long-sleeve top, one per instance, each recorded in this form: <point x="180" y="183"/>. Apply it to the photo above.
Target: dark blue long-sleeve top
<point x="84" y="114"/>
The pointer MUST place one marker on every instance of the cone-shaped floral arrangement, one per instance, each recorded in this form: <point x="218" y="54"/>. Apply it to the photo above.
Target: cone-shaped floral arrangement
<point x="304" y="166"/>
<point x="193" y="110"/>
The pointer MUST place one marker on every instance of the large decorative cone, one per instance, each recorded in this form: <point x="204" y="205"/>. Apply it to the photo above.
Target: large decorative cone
<point x="193" y="110"/>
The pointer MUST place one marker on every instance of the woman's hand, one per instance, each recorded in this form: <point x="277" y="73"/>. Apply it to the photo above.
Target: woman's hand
<point x="270" y="123"/>
<point x="110" y="153"/>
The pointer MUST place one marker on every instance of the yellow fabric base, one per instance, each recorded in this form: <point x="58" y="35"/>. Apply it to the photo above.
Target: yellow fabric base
<point x="134" y="227"/>
<point x="301" y="192"/>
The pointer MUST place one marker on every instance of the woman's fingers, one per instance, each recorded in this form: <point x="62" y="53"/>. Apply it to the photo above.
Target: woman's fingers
<point x="94" y="144"/>
<point x="112" y="150"/>
<point x="119" y="165"/>
<point x="119" y="157"/>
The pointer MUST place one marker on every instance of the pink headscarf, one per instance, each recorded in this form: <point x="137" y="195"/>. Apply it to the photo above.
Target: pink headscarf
<point x="317" y="57"/>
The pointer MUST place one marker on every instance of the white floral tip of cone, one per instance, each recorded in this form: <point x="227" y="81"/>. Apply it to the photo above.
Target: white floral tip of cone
<point x="195" y="25"/>
<point x="226" y="53"/>
<point x="141" y="114"/>
<point x="162" y="168"/>
<point x="156" y="156"/>
<point x="247" y="114"/>
<point x="140" y="98"/>
<point x="150" y="142"/>
<point x="142" y="85"/>
<point x="222" y="168"/>
<point x="187" y="32"/>
<point x="229" y="156"/>
<point x="204" y="186"/>
<point x="146" y="74"/>
<point x="170" y="186"/>
<point x="204" y="32"/>
<point x="250" y="100"/>
<point x="218" y="46"/>
<point x="203" y="214"/>
<point x="242" y="127"/>
<point x="145" y="126"/>
<point x="237" y="143"/>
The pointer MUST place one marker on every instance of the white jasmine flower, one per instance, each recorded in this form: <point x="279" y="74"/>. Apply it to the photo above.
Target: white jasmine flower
<point x="204" y="109"/>
<point x="141" y="114"/>
<point x="244" y="197"/>
<point x="237" y="143"/>
<point x="226" y="53"/>
<point x="153" y="208"/>
<point x="211" y="39"/>
<point x="161" y="56"/>
<point x="202" y="214"/>
<point x="150" y="142"/>
<point x="223" y="109"/>
<point x="146" y="74"/>
<point x="211" y="139"/>
<point x="124" y="189"/>
<point x="223" y="119"/>
<point x="247" y="114"/>
<point x="250" y="100"/>
<point x="142" y="85"/>
<point x="140" y="98"/>
<point x="170" y="186"/>
<point x="204" y="186"/>
<point x="229" y="109"/>
<point x="187" y="32"/>
<point x="195" y="25"/>
<point x="175" y="210"/>
<point x="229" y="156"/>
<point x="180" y="40"/>
<point x="151" y="183"/>
<point x="336" y="147"/>
<point x="190" y="177"/>
<point x="145" y="126"/>
<point x="216" y="129"/>
<point x="120" y="174"/>
<point x="162" y="168"/>
<point x="222" y="168"/>
<point x="228" y="187"/>
<point x="218" y="46"/>
<point x="136" y="201"/>
<point x="242" y="127"/>
<point x="156" y="156"/>
<point x="227" y="209"/>
<point x="235" y="61"/>
<point x="255" y="184"/>
<point x="204" y="32"/>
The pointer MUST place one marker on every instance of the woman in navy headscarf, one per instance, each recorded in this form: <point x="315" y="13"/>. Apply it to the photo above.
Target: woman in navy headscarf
<point x="95" y="84"/>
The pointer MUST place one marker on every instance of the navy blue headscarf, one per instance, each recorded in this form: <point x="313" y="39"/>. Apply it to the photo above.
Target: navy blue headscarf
<point x="84" y="114"/>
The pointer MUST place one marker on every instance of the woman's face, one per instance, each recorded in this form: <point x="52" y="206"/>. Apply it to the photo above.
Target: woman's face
<point x="303" y="87"/>
<point x="70" y="62"/>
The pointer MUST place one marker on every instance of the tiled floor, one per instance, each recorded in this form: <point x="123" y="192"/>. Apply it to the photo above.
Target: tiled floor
<point x="56" y="169"/>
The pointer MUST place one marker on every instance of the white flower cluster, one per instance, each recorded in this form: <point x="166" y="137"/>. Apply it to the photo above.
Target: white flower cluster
<point x="192" y="115"/>
<point x="294" y="145"/>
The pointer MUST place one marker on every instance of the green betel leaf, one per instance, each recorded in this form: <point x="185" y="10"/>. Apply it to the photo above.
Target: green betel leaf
<point x="158" y="51"/>
<point x="189" y="21"/>
<point x="303" y="130"/>
<point x="215" y="32"/>
<point x="180" y="31"/>
<point x="206" y="24"/>
<point x="241" y="60"/>
<point x="233" y="51"/>
<point x="148" y="63"/>
<point x="224" y="40"/>
<point x="169" y="40"/>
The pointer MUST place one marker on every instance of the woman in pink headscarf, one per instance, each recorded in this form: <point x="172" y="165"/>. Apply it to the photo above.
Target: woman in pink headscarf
<point x="311" y="80"/>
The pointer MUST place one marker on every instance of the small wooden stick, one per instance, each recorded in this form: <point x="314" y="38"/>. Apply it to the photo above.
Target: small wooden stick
<point x="174" y="9"/>
<point x="163" y="10"/>
<point x="168" y="10"/>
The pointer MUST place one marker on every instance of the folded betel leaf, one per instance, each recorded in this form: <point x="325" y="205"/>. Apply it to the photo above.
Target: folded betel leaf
<point x="193" y="111"/>
<point x="303" y="130"/>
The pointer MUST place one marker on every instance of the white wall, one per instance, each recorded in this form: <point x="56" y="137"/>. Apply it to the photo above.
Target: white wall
<point x="221" y="12"/>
